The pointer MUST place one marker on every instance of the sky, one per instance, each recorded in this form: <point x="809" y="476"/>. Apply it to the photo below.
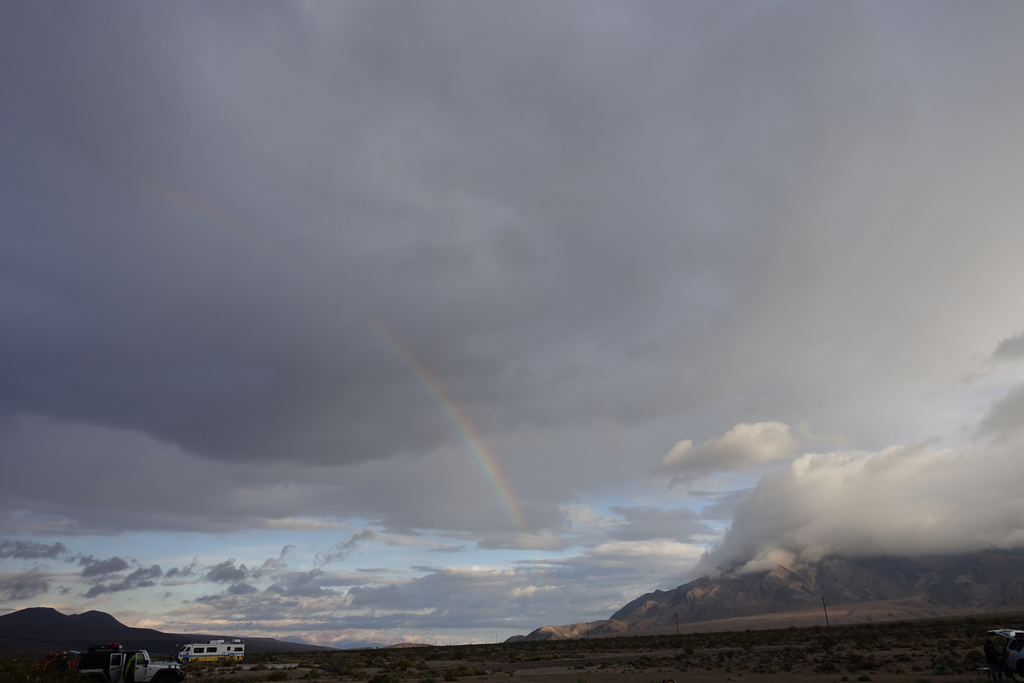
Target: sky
<point x="369" y="322"/>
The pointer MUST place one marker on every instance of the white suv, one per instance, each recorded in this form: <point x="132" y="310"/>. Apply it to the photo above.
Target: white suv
<point x="1013" y="651"/>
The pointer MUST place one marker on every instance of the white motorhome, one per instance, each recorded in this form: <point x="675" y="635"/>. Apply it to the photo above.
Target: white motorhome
<point x="214" y="650"/>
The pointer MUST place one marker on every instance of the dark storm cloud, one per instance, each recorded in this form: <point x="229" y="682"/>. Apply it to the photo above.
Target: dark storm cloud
<point x="229" y="498"/>
<point x="601" y="228"/>
<point x="1010" y="348"/>
<point x="221" y="330"/>
<point x="143" y="577"/>
<point x="226" y="572"/>
<point x="23" y="586"/>
<point x="31" y="550"/>
<point x="343" y="549"/>
<point x="94" y="567"/>
<point x="182" y="572"/>
<point x="300" y="584"/>
<point x="205" y="264"/>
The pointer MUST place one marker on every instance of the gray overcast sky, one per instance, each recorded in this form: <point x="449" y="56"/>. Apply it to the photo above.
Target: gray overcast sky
<point x="453" y="306"/>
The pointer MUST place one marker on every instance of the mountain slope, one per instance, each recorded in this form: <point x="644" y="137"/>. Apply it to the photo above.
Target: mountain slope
<point x="38" y="630"/>
<point x="990" y="580"/>
<point x="993" y="579"/>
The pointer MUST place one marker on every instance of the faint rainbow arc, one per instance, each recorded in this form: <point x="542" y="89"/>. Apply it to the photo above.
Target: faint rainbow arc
<point x="484" y="457"/>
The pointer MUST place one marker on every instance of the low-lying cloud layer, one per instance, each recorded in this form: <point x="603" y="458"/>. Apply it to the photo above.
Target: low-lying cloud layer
<point x="911" y="499"/>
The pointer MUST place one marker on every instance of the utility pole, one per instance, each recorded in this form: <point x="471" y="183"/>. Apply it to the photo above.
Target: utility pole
<point x="588" y="630"/>
<point x="677" y="623"/>
<point x="826" y="611"/>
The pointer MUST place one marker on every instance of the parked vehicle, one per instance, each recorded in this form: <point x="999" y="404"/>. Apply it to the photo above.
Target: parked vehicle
<point x="1013" y="651"/>
<point x="214" y="650"/>
<point x="111" y="663"/>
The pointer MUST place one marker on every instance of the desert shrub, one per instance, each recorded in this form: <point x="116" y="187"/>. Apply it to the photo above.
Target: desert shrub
<point x="863" y="677"/>
<point x="278" y="675"/>
<point x="313" y="674"/>
<point x="343" y="669"/>
<point x="826" y="668"/>
<point x="386" y="678"/>
<point x="27" y="669"/>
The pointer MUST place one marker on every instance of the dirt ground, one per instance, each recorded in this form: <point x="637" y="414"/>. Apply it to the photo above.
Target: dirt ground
<point x="566" y="675"/>
<point x="612" y="672"/>
<point x="913" y="651"/>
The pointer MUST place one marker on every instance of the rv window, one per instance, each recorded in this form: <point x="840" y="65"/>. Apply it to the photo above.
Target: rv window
<point x="238" y="649"/>
<point x="199" y="650"/>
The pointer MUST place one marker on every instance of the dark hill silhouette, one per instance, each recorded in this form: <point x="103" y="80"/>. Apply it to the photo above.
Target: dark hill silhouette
<point x="988" y="581"/>
<point x="38" y="630"/>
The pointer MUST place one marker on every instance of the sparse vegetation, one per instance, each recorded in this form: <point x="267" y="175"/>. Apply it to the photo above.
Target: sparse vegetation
<point x="27" y="669"/>
<point x="863" y="653"/>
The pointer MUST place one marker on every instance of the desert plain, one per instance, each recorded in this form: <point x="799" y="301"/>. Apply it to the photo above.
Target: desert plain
<point x="912" y="651"/>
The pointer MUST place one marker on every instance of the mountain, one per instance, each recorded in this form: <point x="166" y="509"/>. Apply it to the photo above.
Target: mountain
<point x="38" y="630"/>
<point x="987" y="581"/>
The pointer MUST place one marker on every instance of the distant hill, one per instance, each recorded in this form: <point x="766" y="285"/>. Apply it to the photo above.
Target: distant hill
<point x="38" y="630"/>
<point x="988" y="581"/>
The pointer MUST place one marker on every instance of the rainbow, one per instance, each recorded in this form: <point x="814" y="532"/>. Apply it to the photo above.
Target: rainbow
<point x="177" y="195"/>
<point x="484" y="457"/>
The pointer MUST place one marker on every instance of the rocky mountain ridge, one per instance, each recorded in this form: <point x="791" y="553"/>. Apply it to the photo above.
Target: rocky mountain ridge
<point x="987" y="581"/>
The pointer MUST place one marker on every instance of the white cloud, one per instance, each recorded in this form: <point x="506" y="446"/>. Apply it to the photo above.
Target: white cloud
<point x="742" y="447"/>
<point x="903" y="500"/>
